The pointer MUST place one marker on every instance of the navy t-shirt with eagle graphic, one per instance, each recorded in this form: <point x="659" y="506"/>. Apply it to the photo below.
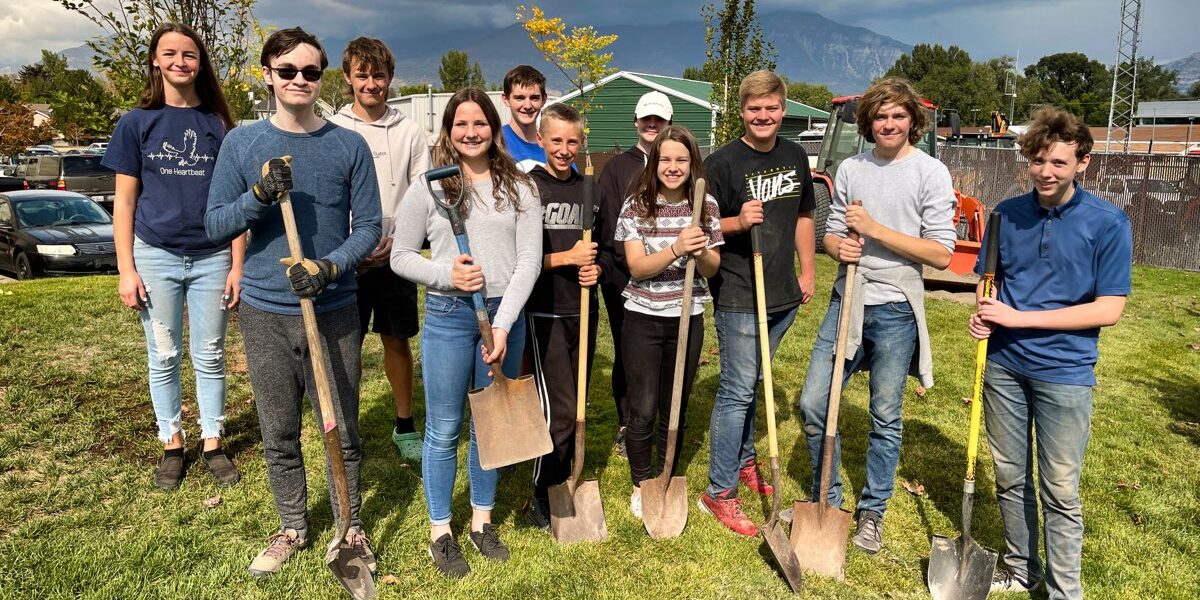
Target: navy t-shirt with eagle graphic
<point x="172" y="152"/>
<point x="737" y="173"/>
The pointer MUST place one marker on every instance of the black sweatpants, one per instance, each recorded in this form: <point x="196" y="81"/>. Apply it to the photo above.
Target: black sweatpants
<point x="614" y="304"/>
<point x="280" y="370"/>
<point x="553" y="345"/>
<point x="650" y="367"/>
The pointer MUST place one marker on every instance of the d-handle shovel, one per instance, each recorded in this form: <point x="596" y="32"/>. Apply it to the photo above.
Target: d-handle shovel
<point x="820" y="531"/>
<point x="576" y="514"/>
<point x="664" y="498"/>
<point x="348" y="567"/>
<point x="961" y="569"/>
<point x="772" y="531"/>
<point x="509" y="424"/>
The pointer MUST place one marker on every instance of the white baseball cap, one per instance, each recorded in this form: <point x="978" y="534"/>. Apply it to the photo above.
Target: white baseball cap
<point x="653" y="103"/>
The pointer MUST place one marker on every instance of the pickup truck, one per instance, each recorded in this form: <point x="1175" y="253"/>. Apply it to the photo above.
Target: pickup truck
<point x="81" y="173"/>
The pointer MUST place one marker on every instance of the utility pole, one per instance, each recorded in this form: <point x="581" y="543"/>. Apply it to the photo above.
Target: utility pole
<point x="1123" y="103"/>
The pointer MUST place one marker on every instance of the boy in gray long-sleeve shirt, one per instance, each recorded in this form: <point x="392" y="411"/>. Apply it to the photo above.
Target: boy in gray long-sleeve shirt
<point x="905" y="220"/>
<point x="331" y="174"/>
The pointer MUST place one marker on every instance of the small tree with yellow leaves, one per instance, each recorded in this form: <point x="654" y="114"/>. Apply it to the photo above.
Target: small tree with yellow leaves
<point x="578" y="55"/>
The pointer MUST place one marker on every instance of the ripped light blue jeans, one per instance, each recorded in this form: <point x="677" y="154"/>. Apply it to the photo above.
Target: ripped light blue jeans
<point x="171" y="280"/>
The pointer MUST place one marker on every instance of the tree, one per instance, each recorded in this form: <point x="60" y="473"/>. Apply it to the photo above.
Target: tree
<point x="816" y="95"/>
<point x="228" y="28"/>
<point x="17" y="131"/>
<point x="407" y="89"/>
<point x="1193" y="91"/>
<point x="88" y="110"/>
<point x="334" y="89"/>
<point x="457" y="72"/>
<point x="949" y="78"/>
<point x="735" y="47"/>
<point x="39" y="80"/>
<point x="9" y="92"/>
<point x="1156" y="82"/>
<point x="577" y="56"/>
<point x="1075" y="83"/>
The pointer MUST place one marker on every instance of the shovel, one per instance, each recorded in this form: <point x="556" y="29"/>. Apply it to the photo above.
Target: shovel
<point x="820" y="531"/>
<point x="576" y="514"/>
<point x="772" y="531"/>
<point x="509" y="424"/>
<point x="348" y="567"/>
<point x="961" y="569"/>
<point x="664" y="498"/>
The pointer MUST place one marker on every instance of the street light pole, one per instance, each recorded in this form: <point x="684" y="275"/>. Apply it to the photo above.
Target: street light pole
<point x="1188" y="143"/>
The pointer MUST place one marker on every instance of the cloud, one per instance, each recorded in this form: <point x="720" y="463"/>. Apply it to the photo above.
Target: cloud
<point x="28" y="26"/>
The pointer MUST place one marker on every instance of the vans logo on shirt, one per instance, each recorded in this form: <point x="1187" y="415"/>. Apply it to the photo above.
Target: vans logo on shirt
<point x="773" y="186"/>
<point x="183" y="156"/>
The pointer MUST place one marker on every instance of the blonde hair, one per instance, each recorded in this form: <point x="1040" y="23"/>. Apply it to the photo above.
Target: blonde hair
<point x="892" y="90"/>
<point x="761" y="83"/>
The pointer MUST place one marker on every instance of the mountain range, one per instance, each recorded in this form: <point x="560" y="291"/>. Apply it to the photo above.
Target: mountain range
<point x="1188" y="68"/>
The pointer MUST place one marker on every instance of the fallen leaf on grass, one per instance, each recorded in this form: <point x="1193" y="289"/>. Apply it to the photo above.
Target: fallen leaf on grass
<point x="913" y="487"/>
<point x="186" y="410"/>
<point x="703" y="361"/>
<point x="1138" y="519"/>
<point x="921" y="391"/>
<point x="390" y="580"/>
<point x="1133" y="485"/>
<point x="1194" y="346"/>
<point x="717" y="351"/>
<point x="212" y="502"/>
<point x="966" y="400"/>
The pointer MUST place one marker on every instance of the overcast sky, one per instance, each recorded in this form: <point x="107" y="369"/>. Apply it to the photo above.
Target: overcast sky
<point x="985" y="28"/>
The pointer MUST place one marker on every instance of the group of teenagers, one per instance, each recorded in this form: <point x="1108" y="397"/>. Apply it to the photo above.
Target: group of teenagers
<point x="197" y="224"/>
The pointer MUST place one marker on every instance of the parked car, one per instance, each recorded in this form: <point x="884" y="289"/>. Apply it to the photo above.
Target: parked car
<point x="97" y="148"/>
<point x="50" y="232"/>
<point x="40" y="151"/>
<point x="81" y="173"/>
<point x="8" y="184"/>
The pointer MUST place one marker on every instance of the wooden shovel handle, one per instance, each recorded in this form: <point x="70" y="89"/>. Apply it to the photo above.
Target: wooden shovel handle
<point x="681" y="343"/>
<point x="839" y="369"/>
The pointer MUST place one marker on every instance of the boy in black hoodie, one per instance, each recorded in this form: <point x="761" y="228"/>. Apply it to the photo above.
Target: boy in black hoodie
<point x="552" y="312"/>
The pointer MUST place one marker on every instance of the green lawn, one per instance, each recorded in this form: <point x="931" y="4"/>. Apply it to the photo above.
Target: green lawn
<point x="80" y="518"/>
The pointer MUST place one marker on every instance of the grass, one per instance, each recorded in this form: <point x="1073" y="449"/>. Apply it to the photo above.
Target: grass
<point x="79" y="517"/>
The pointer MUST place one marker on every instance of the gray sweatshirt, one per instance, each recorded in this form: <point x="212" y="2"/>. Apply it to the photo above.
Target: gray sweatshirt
<point x="912" y="195"/>
<point x="507" y="244"/>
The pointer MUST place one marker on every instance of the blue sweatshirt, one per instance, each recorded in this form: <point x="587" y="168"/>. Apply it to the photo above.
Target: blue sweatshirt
<point x="333" y="174"/>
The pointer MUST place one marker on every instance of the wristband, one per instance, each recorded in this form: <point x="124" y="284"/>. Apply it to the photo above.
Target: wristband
<point x="673" y="252"/>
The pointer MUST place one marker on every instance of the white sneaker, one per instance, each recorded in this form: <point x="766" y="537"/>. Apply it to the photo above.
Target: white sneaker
<point x="1003" y="582"/>
<point x="635" y="502"/>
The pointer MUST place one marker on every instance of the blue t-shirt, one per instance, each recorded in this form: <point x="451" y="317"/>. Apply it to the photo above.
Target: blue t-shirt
<point x="172" y="152"/>
<point x="333" y="174"/>
<point x="527" y="155"/>
<point x="1064" y="256"/>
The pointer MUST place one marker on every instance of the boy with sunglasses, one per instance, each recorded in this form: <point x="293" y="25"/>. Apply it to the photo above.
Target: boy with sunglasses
<point x="332" y="174"/>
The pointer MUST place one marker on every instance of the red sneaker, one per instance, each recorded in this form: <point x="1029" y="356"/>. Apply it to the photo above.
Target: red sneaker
<point x="754" y="480"/>
<point x="729" y="512"/>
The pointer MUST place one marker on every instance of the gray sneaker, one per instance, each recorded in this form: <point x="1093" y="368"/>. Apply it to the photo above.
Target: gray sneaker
<point x="1004" y="581"/>
<point x="357" y="540"/>
<point x="280" y="547"/>
<point x="869" y="536"/>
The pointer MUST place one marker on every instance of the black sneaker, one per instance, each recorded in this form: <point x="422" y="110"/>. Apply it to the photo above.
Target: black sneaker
<point x="488" y="543"/>
<point x="222" y="469"/>
<point x="619" y="445"/>
<point x="447" y="557"/>
<point x="169" y="473"/>
<point x="869" y="537"/>
<point x="537" y="513"/>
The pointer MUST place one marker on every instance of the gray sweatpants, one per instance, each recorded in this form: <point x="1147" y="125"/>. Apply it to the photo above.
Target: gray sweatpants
<point x="280" y="370"/>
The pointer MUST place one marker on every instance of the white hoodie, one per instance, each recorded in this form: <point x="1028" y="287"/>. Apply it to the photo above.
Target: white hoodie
<point x="400" y="150"/>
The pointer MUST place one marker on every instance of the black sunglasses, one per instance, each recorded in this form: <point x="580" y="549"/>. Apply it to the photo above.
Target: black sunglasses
<point x="289" y="73"/>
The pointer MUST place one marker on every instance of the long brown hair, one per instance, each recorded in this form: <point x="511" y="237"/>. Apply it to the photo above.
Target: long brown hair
<point x="505" y="175"/>
<point x="645" y="198"/>
<point x="898" y="91"/>
<point x="207" y="89"/>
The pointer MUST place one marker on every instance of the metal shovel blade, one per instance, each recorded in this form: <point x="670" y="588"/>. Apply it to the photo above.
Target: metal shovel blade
<point x="509" y="424"/>
<point x="664" y="505"/>
<point x="578" y="516"/>
<point x="350" y="570"/>
<point x="819" y="536"/>
<point x="960" y="569"/>
<point x="785" y="557"/>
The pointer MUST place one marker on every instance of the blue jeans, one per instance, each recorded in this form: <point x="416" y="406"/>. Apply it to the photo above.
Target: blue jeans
<point x="1020" y="409"/>
<point x="451" y="360"/>
<point x="170" y="280"/>
<point x="731" y="429"/>
<point x="888" y="341"/>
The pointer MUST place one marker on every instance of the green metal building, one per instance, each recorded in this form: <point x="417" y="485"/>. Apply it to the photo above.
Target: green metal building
<point x="610" y="120"/>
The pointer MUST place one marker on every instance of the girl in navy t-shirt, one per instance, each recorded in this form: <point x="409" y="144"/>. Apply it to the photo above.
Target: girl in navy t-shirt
<point x="163" y="152"/>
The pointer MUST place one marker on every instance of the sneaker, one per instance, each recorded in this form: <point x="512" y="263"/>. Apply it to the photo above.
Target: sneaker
<point x="619" y="445"/>
<point x="280" y="547"/>
<point x="635" y="502"/>
<point x="357" y="539"/>
<point x="409" y="444"/>
<point x="728" y="512"/>
<point x="869" y="536"/>
<point x="169" y="473"/>
<point x="488" y="543"/>
<point x="221" y="468"/>
<point x="447" y="557"/>
<point x="537" y="513"/>
<point x="1003" y="581"/>
<point x="753" y="478"/>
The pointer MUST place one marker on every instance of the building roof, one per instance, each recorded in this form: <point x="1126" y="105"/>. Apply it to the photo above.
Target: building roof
<point x="692" y="91"/>
<point x="1168" y="109"/>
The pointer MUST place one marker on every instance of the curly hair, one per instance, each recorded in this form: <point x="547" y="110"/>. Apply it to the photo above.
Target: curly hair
<point x="648" y="187"/>
<point x="1050" y="125"/>
<point x="506" y="177"/>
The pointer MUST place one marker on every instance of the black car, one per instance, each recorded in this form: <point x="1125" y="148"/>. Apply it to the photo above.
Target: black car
<point x="50" y="232"/>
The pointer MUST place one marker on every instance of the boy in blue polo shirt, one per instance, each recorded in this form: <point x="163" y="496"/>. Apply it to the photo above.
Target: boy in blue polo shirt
<point x="1063" y="273"/>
